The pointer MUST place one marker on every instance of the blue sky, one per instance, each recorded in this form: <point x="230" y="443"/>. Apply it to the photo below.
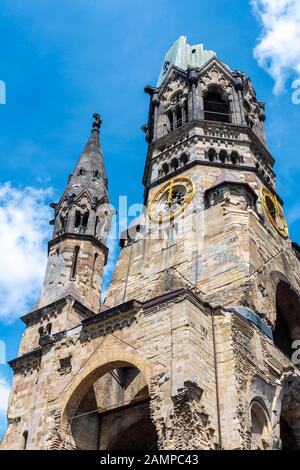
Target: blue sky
<point x="64" y="60"/>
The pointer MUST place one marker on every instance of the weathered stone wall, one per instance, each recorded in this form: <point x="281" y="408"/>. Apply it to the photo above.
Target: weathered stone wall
<point x="174" y="339"/>
<point x="88" y="279"/>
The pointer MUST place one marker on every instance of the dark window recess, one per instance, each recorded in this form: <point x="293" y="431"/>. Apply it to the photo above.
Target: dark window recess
<point x="25" y="438"/>
<point x="184" y="158"/>
<point x="75" y="262"/>
<point x="281" y="335"/>
<point x="77" y="219"/>
<point x="179" y="117"/>
<point x="94" y="269"/>
<point x="234" y="157"/>
<point x="165" y="168"/>
<point x="223" y="156"/>
<point x="215" y="108"/>
<point x="96" y="225"/>
<point x="174" y="163"/>
<point x="218" y="196"/>
<point x="85" y="219"/>
<point x="212" y="155"/>
<point x="65" y="364"/>
<point x="171" y="123"/>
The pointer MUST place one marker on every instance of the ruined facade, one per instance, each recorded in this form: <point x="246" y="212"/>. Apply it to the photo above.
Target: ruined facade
<point x="195" y="345"/>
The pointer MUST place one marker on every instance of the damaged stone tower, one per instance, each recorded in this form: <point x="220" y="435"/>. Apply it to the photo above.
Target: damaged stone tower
<point x="195" y="345"/>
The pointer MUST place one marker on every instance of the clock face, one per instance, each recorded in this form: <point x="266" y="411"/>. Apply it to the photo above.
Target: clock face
<point x="274" y="212"/>
<point x="171" y="199"/>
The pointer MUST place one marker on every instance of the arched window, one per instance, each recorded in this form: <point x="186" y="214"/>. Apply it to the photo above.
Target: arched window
<point x="174" y="163"/>
<point x="77" y="219"/>
<point x="75" y="262"/>
<point x="81" y="171"/>
<point x="178" y="117"/>
<point x="215" y="108"/>
<point x="25" y="438"/>
<point x="61" y="223"/>
<point x="165" y="168"/>
<point x="96" y="225"/>
<point x="223" y="156"/>
<point x="85" y="219"/>
<point x="211" y="155"/>
<point x="96" y="174"/>
<point x="93" y="270"/>
<point x="260" y="436"/>
<point x="234" y="157"/>
<point x="171" y="123"/>
<point x="184" y="158"/>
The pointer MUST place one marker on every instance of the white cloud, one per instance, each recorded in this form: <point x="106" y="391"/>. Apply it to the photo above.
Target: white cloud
<point x="278" y="49"/>
<point x="4" y="395"/>
<point x="24" y="230"/>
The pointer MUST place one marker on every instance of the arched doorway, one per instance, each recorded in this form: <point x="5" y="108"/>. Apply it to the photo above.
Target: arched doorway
<point x="111" y="412"/>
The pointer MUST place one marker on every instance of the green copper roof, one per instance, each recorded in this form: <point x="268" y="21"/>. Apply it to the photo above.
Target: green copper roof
<point x="183" y="55"/>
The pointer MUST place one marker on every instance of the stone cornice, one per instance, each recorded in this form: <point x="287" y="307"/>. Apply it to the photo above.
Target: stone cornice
<point x="129" y="306"/>
<point x="233" y="183"/>
<point x="27" y="362"/>
<point x="176" y="295"/>
<point x="194" y="123"/>
<point x="35" y="315"/>
<point x="79" y="236"/>
<point x="207" y="163"/>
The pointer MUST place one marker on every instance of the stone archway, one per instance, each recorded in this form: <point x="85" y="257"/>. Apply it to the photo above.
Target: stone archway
<point x="260" y="426"/>
<point x="103" y="403"/>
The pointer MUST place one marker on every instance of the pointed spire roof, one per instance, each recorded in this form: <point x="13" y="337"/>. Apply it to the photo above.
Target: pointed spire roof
<point x="226" y="177"/>
<point x="89" y="172"/>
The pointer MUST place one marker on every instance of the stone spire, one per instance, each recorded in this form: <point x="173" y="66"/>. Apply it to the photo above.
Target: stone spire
<point x="83" y="207"/>
<point x="77" y="250"/>
<point x="89" y="172"/>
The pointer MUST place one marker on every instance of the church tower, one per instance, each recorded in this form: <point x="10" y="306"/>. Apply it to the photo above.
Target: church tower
<point x="196" y="345"/>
